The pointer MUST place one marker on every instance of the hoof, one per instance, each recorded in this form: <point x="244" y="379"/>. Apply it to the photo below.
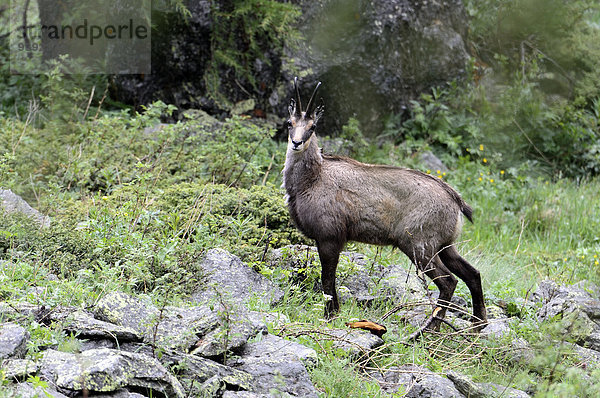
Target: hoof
<point x="478" y="324"/>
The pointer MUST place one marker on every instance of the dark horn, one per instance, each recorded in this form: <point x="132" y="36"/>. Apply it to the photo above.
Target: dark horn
<point x="299" y="102"/>
<point x="311" y="99"/>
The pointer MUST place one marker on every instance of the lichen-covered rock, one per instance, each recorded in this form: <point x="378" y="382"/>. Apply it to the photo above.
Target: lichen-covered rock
<point x="228" y="279"/>
<point x="170" y="327"/>
<point x="12" y="203"/>
<point x="13" y="341"/>
<point x="278" y="367"/>
<point x="106" y="370"/>
<point x="18" y="368"/>
<point x="470" y="389"/>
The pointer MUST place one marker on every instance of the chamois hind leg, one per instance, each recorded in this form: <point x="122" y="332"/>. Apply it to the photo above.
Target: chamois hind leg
<point x="445" y="282"/>
<point x="465" y="271"/>
<point x="329" y="254"/>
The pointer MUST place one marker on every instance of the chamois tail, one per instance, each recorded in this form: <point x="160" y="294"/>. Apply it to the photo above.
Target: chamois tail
<point x="466" y="210"/>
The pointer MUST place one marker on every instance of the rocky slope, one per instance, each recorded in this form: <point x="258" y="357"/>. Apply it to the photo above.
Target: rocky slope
<point x="216" y="346"/>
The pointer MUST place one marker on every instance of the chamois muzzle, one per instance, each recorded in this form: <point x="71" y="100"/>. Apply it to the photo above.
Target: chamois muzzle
<point x="296" y="145"/>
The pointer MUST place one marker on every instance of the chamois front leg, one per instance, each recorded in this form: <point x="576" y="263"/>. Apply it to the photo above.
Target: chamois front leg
<point x="329" y="254"/>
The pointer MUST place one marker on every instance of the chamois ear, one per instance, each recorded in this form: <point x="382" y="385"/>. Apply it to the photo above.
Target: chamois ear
<point x="319" y="111"/>
<point x="292" y="107"/>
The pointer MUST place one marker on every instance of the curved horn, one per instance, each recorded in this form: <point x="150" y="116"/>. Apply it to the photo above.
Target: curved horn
<point x="311" y="99"/>
<point x="299" y="102"/>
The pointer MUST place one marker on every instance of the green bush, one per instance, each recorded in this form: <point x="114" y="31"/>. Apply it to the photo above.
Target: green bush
<point x="245" y="31"/>
<point x="246" y="221"/>
<point x="557" y="39"/>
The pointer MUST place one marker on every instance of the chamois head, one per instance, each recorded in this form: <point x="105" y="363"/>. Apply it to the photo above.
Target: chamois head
<point x="302" y="124"/>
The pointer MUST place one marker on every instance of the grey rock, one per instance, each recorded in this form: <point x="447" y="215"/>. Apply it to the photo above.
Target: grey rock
<point x="269" y="345"/>
<point x="483" y="390"/>
<point x="294" y="258"/>
<point x="244" y="394"/>
<point x="233" y="332"/>
<point x="416" y="382"/>
<point x="106" y="370"/>
<point x="356" y="343"/>
<point x="587" y="358"/>
<point x="13" y="341"/>
<point x="199" y="329"/>
<point x="277" y="366"/>
<point x="558" y="299"/>
<point x="432" y="162"/>
<point x="520" y="351"/>
<point x="19" y="368"/>
<point x="496" y="329"/>
<point x="228" y="279"/>
<point x="12" y="203"/>
<point x="86" y="326"/>
<point x="401" y="285"/>
<point x="94" y="332"/>
<point x="15" y="308"/>
<point x="274" y="319"/>
<point x="27" y="390"/>
<point x="194" y="369"/>
<point x="577" y="305"/>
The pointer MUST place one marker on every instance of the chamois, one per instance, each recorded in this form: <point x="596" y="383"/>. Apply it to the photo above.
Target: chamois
<point x="335" y="199"/>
